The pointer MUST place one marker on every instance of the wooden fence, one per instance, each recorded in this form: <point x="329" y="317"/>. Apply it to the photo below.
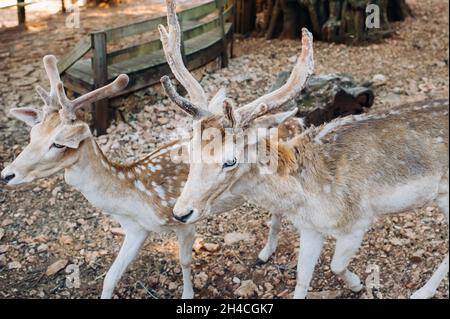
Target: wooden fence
<point x="207" y="30"/>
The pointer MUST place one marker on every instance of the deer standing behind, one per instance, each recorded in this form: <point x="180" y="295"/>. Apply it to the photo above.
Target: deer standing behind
<point x="332" y="180"/>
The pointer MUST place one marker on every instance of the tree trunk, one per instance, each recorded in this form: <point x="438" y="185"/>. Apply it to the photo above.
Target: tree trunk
<point x="333" y="20"/>
<point x="98" y="2"/>
<point x="244" y="16"/>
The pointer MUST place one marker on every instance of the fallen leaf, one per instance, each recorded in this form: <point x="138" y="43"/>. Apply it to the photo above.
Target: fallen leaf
<point x="117" y="231"/>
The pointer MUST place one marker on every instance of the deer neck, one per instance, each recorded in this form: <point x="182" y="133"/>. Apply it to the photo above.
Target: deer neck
<point x="97" y="178"/>
<point x="278" y="187"/>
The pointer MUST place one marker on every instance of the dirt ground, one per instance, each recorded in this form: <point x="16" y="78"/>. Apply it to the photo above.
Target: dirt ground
<point x="49" y="222"/>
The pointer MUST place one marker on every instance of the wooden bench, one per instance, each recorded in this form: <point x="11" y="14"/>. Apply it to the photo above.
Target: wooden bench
<point x="207" y="29"/>
<point x="20" y="4"/>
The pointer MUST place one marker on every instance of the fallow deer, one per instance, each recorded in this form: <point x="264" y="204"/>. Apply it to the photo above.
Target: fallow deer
<point x="332" y="180"/>
<point x="140" y="195"/>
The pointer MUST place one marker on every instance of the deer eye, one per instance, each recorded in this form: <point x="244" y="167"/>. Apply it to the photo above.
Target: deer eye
<point x="57" y="145"/>
<point x="230" y="164"/>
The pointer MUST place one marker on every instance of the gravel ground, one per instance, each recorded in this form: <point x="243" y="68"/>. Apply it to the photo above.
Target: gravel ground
<point x="50" y="224"/>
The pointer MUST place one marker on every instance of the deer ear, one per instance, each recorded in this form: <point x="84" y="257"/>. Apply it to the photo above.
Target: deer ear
<point x="28" y="115"/>
<point x="274" y="120"/>
<point x="230" y="115"/>
<point x="72" y="135"/>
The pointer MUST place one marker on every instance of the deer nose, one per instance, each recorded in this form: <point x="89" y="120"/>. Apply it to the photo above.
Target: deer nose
<point x="184" y="219"/>
<point x="7" y="178"/>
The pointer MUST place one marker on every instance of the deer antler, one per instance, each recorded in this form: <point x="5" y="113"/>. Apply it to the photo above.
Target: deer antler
<point x="183" y="103"/>
<point x="294" y="85"/>
<point x="171" y="42"/>
<point x="50" y="99"/>
<point x="69" y="107"/>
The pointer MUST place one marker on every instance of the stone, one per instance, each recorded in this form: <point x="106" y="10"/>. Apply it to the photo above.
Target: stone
<point x="232" y="238"/>
<point x="173" y="286"/>
<point x="163" y="120"/>
<point x="200" y="280"/>
<point x="327" y="294"/>
<point x="198" y="244"/>
<point x="4" y="249"/>
<point x="246" y="290"/>
<point x="379" y="80"/>
<point x="66" y="240"/>
<point x="56" y="267"/>
<point x="7" y="222"/>
<point x="42" y="247"/>
<point x="212" y="248"/>
<point x="14" y="265"/>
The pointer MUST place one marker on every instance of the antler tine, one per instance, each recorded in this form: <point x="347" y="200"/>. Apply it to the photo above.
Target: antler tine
<point x="294" y="85"/>
<point x="69" y="107"/>
<point x="183" y="103"/>
<point x="50" y="99"/>
<point x="171" y="42"/>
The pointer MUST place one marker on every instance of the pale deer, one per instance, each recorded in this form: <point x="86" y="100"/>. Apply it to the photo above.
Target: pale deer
<point x="139" y="196"/>
<point x="332" y="180"/>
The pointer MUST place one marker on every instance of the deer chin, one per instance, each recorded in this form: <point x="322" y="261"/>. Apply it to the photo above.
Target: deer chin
<point x="18" y="179"/>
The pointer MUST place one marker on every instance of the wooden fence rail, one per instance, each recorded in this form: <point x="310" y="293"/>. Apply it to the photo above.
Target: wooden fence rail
<point x="207" y="32"/>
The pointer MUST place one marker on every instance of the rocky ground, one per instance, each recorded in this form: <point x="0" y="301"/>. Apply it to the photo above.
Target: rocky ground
<point x="48" y="229"/>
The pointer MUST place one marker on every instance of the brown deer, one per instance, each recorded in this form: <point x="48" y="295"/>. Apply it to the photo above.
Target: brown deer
<point x="332" y="180"/>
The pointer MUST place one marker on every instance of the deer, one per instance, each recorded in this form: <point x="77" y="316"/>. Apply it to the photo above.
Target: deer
<point x="332" y="180"/>
<point x="139" y="195"/>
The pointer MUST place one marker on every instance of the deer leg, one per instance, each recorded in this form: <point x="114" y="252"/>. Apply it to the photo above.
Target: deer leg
<point x="346" y="248"/>
<point x="186" y="238"/>
<point x="432" y="285"/>
<point x="129" y="250"/>
<point x="311" y="243"/>
<point x="272" y="240"/>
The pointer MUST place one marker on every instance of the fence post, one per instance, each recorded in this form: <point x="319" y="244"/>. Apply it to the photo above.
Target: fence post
<point x="21" y="12"/>
<point x="63" y="6"/>
<point x="100" y="71"/>
<point x="223" y="34"/>
<point x="233" y="27"/>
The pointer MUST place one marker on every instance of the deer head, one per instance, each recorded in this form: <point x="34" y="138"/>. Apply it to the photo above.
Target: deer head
<point x="56" y="133"/>
<point x="227" y="144"/>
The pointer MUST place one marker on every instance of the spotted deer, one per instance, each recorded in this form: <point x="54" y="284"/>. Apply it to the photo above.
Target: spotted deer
<point x="140" y="195"/>
<point x="331" y="180"/>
